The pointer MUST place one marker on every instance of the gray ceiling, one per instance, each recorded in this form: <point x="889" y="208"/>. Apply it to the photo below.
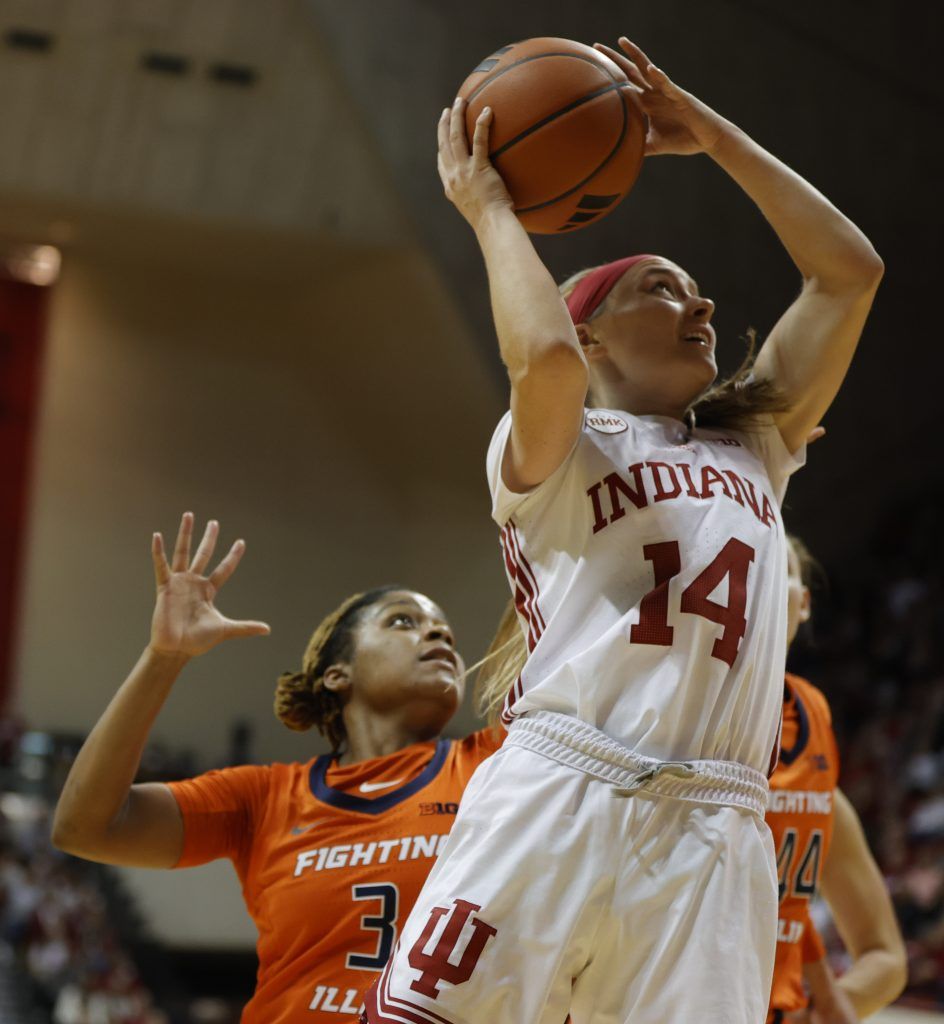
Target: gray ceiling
<point x="848" y="93"/>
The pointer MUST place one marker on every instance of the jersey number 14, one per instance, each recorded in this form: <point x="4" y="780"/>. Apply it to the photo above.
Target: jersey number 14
<point x="732" y="561"/>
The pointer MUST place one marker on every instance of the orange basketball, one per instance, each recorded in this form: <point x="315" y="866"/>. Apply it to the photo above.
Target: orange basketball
<point x="567" y="132"/>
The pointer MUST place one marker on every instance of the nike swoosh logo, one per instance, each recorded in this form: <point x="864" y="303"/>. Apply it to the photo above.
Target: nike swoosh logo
<point x="301" y="829"/>
<point x="370" y="787"/>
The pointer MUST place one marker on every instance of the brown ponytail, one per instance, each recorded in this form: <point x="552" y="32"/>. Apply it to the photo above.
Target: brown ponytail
<point x="740" y="402"/>
<point x="301" y="698"/>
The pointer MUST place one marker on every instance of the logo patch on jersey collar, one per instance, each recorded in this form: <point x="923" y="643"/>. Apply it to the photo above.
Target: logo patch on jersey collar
<point x="606" y="422"/>
<point x="300" y="830"/>
<point x="370" y="787"/>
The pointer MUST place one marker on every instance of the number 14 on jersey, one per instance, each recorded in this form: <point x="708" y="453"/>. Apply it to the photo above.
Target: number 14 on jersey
<point x="732" y="561"/>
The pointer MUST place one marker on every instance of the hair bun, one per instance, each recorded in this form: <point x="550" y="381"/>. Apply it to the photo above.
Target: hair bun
<point x="296" y="705"/>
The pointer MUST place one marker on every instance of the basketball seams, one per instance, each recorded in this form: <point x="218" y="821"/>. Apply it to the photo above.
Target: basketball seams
<point x="553" y="117"/>
<point x="580" y="184"/>
<point x="540" y="56"/>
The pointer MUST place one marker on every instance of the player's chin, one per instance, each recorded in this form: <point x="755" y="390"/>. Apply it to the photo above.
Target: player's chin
<point x="698" y="365"/>
<point x="449" y="686"/>
<point x="694" y="352"/>
<point x="438" y="677"/>
<point x="449" y="692"/>
<point x="437" y="700"/>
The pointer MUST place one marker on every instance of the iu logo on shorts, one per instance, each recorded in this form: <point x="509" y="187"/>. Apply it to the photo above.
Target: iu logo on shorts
<point x="436" y="966"/>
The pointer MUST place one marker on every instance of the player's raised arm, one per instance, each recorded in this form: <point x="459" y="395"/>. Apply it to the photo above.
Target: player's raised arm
<point x="809" y="350"/>
<point x="536" y="336"/>
<point x="101" y="814"/>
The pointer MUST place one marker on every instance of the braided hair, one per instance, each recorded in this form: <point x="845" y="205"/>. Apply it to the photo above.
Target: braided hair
<point x="301" y="698"/>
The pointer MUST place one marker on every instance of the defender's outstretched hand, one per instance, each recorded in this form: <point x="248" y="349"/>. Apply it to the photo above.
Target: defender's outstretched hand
<point x="679" y="123"/>
<point x="471" y="182"/>
<point x="186" y="622"/>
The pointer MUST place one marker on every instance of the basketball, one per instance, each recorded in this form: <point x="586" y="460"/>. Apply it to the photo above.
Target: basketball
<point x="567" y="133"/>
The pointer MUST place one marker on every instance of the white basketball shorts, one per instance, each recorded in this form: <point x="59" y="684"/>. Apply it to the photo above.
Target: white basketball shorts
<point x="582" y="879"/>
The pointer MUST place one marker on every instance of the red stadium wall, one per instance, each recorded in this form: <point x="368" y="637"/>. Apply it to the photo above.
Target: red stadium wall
<point x="22" y="325"/>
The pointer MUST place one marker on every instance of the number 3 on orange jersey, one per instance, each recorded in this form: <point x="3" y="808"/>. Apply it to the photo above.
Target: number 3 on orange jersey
<point x="732" y="561"/>
<point x="384" y="924"/>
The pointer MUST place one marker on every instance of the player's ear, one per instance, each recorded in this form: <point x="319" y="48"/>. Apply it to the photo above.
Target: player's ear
<point x="591" y="346"/>
<point x="588" y="343"/>
<point x="337" y="678"/>
<point x="806" y="607"/>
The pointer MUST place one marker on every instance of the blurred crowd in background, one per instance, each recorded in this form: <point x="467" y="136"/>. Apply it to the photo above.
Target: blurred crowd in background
<point x="63" y="959"/>
<point x="73" y="950"/>
<point x="875" y="646"/>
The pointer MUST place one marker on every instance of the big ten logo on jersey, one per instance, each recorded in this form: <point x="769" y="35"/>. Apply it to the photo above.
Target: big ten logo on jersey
<point x="461" y="930"/>
<point x="380" y="851"/>
<point x="439" y="808"/>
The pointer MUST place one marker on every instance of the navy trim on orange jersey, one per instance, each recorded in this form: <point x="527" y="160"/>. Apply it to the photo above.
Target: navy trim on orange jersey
<point x="349" y="802"/>
<point x="803" y="731"/>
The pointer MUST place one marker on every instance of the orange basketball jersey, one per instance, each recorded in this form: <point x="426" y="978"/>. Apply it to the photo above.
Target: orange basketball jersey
<point x="800" y="816"/>
<point x="331" y="860"/>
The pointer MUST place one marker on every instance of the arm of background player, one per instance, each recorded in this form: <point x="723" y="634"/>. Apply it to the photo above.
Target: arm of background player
<point x="101" y="815"/>
<point x="536" y="336"/>
<point x="829" y="1004"/>
<point x="862" y="910"/>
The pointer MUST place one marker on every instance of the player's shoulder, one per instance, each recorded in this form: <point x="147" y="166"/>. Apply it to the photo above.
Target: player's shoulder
<point x="226" y="789"/>
<point x="274" y="784"/>
<point x="283" y="773"/>
<point x="814" y="700"/>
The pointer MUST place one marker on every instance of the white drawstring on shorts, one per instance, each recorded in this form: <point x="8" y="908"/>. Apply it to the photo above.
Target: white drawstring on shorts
<point x="681" y="769"/>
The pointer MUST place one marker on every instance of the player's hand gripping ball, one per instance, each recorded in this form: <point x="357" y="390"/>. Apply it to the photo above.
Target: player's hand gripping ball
<point x="568" y="132"/>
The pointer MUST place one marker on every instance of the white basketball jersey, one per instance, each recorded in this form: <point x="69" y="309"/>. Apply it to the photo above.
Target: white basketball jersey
<point x="649" y="574"/>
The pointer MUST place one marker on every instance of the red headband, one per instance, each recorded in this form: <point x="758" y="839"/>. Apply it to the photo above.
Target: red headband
<point x="594" y="288"/>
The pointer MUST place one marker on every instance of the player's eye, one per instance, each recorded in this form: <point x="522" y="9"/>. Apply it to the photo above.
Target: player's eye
<point x="664" y="285"/>
<point x="402" y="619"/>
